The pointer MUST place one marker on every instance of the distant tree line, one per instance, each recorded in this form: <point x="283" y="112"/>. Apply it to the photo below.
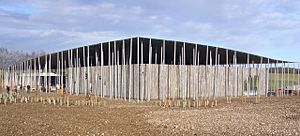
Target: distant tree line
<point x="8" y="58"/>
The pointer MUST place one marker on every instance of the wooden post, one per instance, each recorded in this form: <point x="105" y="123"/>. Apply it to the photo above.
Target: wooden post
<point x="49" y="77"/>
<point x="112" y="73"/>
<point x="96" y="74"/>
<point x="62" y="70"/>
<point x="206" y="76"/>
<point x="268" y="77"/>
<point x="77" y="72"/>
<point x="243" y="84"/>
<point x="199" y="79"/>
<point x="34" y="78"/>
<point x="110" y="70"/>
<point x="82" y="69"/>
<point x="149" y="70"/>
<point x="185" y="82"/>
<point x="253" y="78"/>
<point x="137" y="96"/>
<point x="259" y="77"/>
<point x="142" y="62"/>
<point x="298" y="73"/>
<point x="88" y="72"/>
<point x="101" y="70"/>
<point x="65" y="65"/>
<point x="74" y="71"/>
<point x="20" y="75"/>
<point x="180" y="92"/>
<point x="30" y="76"/>
<point x="114" y="67"/>
<point x="282" y="75"/>
<point x="46" y="73"/>
<point x="194" y="64"/>
<point x="15" y="74"/>
<point x="174" y="53"/>
<point x="12" y="76"/>
<point x="174" y="63"/>
<point x="275" y="77"/>
<point x="249" y="75"/>
<point x="119" y="76"/>
<point x="72" y="68"/>
<point x="218" y="64"/>
<point x="210" y="79"/>
<point x="288" y="80"/>
<point x="283" y="79"/>
<point x="39" y="82"/>
<point x="234" y="75"/>
<point x="58" y="69"/>
<point x="68" y="67"/>
<point x="159" y="74"/>
<point x="123" y="66"/>
<point x="97" y="88"/>
<point x="215" y="74"/>
<point x="237" y="74"/>
<point x="227" y="77"/>
<point x="162" y="64"/>
<point x="130" y="66"/>
<point x="233" y="79"/>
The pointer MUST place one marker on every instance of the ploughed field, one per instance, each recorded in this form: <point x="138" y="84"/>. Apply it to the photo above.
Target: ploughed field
<point x="271" y="116"/>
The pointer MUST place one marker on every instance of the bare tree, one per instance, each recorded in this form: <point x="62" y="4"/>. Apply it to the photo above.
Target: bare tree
<point x="8" y="58"/>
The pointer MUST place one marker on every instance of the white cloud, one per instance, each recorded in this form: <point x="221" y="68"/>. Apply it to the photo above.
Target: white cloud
<point x="256" y="26"/>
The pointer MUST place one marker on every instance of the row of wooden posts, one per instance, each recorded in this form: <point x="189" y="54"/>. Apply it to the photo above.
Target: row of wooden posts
<point x="12" y="97"/>
<point x="93" y="101"/>
<point x="31" y="72"/>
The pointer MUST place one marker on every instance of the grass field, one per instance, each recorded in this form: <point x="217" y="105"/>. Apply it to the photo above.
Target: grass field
<point x="276" y="80"/>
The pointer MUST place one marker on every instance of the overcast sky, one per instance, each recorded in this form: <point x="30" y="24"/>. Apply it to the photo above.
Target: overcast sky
<point x="266" y="27"/>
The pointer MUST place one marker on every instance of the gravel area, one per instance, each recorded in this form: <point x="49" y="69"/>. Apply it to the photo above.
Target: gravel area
<point x="272" y="116"/>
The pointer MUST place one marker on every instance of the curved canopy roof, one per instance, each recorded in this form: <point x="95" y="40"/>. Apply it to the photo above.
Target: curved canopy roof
<point x="163" y="52"/>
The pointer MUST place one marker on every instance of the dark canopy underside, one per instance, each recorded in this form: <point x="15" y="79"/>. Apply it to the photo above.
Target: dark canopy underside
<point x="192" y="54"/>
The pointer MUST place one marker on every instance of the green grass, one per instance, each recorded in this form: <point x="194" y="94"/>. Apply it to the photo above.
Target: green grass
<point x="290" y="79"/>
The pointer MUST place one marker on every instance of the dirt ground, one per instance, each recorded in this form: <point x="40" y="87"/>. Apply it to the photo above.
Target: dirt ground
<point x="272" y="116"/>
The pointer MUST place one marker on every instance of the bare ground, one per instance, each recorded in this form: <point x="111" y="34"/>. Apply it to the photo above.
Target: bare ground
<point x="275" y="116"/>
<point x="272" y="116"/>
